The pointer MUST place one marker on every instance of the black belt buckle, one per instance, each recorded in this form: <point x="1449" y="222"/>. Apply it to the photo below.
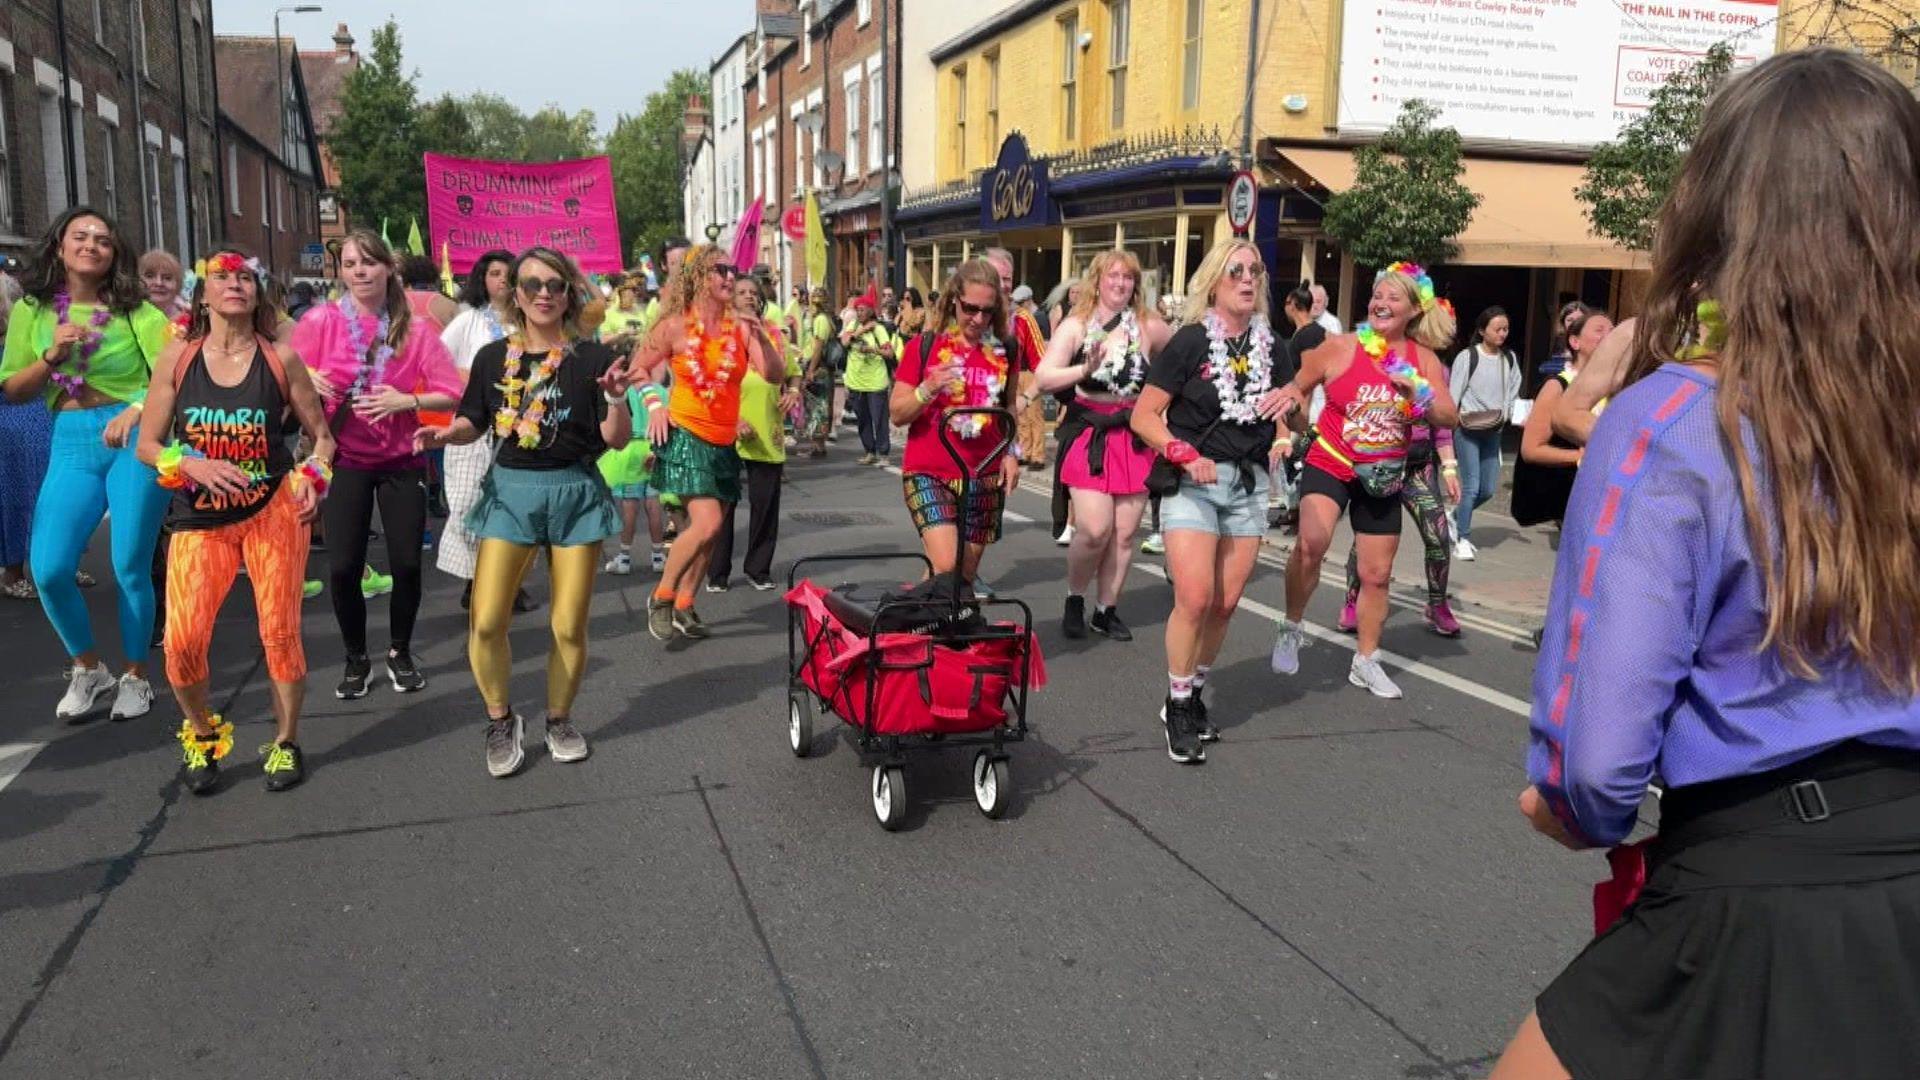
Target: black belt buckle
<point x="1808" y="802"/>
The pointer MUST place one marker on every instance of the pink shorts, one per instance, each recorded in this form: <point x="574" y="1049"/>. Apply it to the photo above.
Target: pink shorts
<point x="1124" y="466"/>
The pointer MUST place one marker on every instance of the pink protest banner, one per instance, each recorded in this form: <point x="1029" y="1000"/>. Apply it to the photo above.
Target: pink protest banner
<point x="476" y="206"/>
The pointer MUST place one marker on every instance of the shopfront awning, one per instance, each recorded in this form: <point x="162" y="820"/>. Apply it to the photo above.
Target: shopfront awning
<point x="1527" y="214"/>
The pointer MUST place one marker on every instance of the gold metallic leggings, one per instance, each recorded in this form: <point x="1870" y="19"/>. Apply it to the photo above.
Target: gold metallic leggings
<point x="496" y="578"/>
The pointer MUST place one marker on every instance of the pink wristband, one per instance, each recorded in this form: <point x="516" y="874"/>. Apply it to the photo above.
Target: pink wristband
<point x="1179" y="452"/>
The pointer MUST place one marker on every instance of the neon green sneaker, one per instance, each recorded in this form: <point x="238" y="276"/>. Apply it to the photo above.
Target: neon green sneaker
<point x="309" y="590"/>
<point x="374" y="583"/>
<point x="283" y="765"/>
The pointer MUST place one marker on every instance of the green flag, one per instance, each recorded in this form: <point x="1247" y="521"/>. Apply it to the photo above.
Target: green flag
<point x="383" y="234"/>
<point x="414" y="243"/>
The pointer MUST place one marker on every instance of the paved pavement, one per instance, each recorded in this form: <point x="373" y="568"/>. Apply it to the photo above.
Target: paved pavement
<point x="1343" y="890"/>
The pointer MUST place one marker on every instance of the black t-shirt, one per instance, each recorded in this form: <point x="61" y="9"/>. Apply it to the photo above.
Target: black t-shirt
<point x="575" y="405"/>
<point x="1182" y="370"/>
<point x="1304" y="340"/>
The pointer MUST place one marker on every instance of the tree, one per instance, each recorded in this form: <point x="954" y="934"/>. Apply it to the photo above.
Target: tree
<point x="1407" y="201"/>
<point x="446" y="127"/>
<point x="1627" y="180"/>
<point x="553" y="135"/>
<point x="647" y="168"/>
<point x="376" y="140"/>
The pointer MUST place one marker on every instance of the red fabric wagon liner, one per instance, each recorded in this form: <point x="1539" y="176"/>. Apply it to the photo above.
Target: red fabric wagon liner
<point x="925" y="687"/>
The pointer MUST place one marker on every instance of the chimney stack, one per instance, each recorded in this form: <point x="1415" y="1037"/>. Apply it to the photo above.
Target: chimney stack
<point x="342" y="43"/>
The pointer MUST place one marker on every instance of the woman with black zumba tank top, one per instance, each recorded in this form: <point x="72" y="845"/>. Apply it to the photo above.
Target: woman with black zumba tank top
<point x="230" y="396"/>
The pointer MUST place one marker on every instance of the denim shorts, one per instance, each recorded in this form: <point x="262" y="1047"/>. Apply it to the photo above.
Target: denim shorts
<point x="1223" y="508"/>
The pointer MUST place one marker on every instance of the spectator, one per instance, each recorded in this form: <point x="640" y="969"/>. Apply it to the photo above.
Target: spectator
<point x="1327" y="320"/>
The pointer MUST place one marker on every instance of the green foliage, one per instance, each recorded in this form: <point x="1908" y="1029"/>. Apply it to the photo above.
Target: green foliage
<point x="552" y="135"/>
<point x="489" y="126"/>
<point x="1627" y="181"/>
<point x="446" y="127"/>
<point x="376" y="141"/>
<point x="647" y="165"/>
<point x="1407" y="201"/>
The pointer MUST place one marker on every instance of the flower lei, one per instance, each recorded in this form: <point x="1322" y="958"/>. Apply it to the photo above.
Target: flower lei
<point x="316" y="474"/>
<point x="511" y="419"/>
<point x="1116" y="364"/>
<point x="1396" y="366"/>
<point x="971" y="425"/>
<point x="169" y="465"/>
<point x="1237" y="401"/>
<point x="373" y="364"/>
<point x="1422" y="282"/>
<point x="219" y="746"/>
<point x="1710" y="335"/>
<point x="75" y="381"/>
<point x="711" y="360"/>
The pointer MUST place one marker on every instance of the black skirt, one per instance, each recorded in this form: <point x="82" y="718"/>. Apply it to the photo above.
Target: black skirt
<point x="1787" y="950"/>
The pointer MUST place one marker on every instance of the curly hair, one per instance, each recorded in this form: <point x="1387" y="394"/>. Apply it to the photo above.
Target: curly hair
<point x="473" y="291"/>
<point x="120" y="290"/>
<point x="684" y="289"/>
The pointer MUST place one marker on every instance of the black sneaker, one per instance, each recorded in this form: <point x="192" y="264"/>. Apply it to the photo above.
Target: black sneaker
<point x="1107" y="622"/>
<point x="199" y="770"/>
<point x="353" y="684"/>
<point x="1074" y="622"/>
<point x="761" y="584"/>
<point x="404" y="673"/>
<point x="524" y="602"/>
<point x="687" y="621"/>
<point x="1183" y="745"/>
<point x="466" y="597"/>
<point x="1203" y="725"/>
<point x="283" y="765"/>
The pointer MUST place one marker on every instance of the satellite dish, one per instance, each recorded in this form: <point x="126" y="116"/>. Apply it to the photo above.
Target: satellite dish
<point x="829" y="161"/>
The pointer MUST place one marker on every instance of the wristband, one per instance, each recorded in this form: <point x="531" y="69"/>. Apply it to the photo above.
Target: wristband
<point x="315" y="473"/>
<point x="920" y="395"/>
<point x="169" y="466"/>
<point x="614" y="399"/>
<point x="1178" y="452"/>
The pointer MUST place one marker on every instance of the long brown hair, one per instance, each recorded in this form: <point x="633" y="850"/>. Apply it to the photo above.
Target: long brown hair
<point x="973" y="272"/>
<point x="399" y="312"/>
<point x="1798" y="211"/>
<point x="120" y="290"/>
<point x="265" y="318"/>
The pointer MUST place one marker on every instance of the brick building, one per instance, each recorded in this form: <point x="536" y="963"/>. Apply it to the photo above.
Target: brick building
<point x="324" y="74"/>
<point x="270" y="155"/>
<point x="137" y="105"/>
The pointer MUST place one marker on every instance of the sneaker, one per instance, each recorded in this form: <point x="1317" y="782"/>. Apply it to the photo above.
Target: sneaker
<point x="1183" y="745"/>
<point x="687" y="621"/>
<point x="373" y="583"/>
<point x="660" y="620"/>
<point x="1154" y="544"/>
<point x="84" y="579"/>
<point x="199" y="769"/>
<point x="1464" y="550"/>
<point x="564" y="743"/>
<point x="1065" y="537"/>
<point x="761" y="584"/>
<point x="717" y="586"/>
<point x="133" y="697"/>
<point x="1203" y="725"/>
<point x="1074" y="622"/>
<point x="310" y="589"/>
<point x="524" y="602"/>
<point x="1349" y="617"/>
<point x="86" y="687"/>
<point x="426" y="539"/>
<point x="869" y="459"/>
<point x="1539" y="636"/>
<point x="1441" y="621"/>
<point x="504" y="753"/>
<point x="659" y="561"/>
<point x="1286" y="648"/>
<point x="1107" y="621"/>
<point x="981" y="589"/>
<point x="404" y="673"/>
<point x="283" y="765"/>
<point x="621" y="564"/>
<point x="353" y="682"/>
<point x="1367" y="674"/>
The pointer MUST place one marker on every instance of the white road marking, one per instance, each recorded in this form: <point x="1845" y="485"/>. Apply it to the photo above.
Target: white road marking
<point x="14" y="758"/>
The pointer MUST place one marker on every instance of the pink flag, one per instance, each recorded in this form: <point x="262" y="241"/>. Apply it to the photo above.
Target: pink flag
<point x="746" y="239"/>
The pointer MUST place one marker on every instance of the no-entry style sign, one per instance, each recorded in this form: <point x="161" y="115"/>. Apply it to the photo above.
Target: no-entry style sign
<point x="794" y="223"/>
<point x="1242" y="196"/>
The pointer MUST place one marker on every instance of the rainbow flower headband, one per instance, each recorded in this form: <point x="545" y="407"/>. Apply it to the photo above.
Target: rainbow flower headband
<point x="1422" y="283"/>
<point x="231" y="263"/>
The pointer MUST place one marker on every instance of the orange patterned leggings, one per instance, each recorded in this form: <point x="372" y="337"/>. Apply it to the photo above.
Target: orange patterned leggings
<point x="201" y="565"/>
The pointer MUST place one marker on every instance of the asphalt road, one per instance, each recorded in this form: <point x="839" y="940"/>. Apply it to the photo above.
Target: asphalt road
<point x="1344" y="890"/>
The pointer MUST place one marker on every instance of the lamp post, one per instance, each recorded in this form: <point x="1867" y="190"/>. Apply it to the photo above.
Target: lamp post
<point x="280" y="104"/>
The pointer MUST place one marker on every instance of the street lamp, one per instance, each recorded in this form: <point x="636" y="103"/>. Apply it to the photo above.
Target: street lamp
<point x="280" y="81"/>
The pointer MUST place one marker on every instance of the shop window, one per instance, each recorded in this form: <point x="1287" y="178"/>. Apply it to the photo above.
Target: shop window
<point x="1088" y="241"/>
<point x="1152" y="242"/>
<point x="1069" y="77"/>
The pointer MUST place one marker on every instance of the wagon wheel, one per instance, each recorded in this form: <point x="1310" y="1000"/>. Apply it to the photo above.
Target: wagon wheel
<point x="890" y="796"/>
<point x="800" y="722"/>
<point x="991" y="789"/>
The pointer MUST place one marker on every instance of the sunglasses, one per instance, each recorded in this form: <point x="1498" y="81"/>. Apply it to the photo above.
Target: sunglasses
<point x="723" y="270"/>
<point x="531" y="288"/>
<point x="1244" y="271"/>
<point x="973" y="310"/>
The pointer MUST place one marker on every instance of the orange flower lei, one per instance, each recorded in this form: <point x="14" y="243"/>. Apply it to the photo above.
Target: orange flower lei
<point x="524" y="424"/>
<point x="710" y="361"/>
<point x="973" y="424"/>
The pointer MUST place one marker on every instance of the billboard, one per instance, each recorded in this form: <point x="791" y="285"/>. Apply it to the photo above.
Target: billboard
<point x="475" y="206"/>
<point x="1551" y="72"/>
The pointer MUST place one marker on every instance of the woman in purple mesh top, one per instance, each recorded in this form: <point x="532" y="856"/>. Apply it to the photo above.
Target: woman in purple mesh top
<point x="1735" y="610"/>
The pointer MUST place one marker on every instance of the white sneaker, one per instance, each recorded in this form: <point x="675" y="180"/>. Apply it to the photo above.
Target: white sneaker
<point x="1065" y="537"/>
<point x="659" y="561"/>
<point x="1154" y="544"/>
<point x="1464" y="550"/>
<point x="621" y="564"/>
<point x="133" y="698"/>
<point x="1367" y="674"/>
<point x="85" y="688"/>
<point x="1286" y="648"/>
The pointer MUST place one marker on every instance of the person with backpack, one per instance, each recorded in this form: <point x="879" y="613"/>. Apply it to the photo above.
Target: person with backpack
<point x="869" y="346"/>
<point x="1485" y="380"/>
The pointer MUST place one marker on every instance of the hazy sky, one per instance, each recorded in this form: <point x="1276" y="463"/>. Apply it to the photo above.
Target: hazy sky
<point x="604" y="55"/>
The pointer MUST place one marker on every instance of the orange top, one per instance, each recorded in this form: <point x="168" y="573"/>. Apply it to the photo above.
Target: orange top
<point x="705" y="395"/>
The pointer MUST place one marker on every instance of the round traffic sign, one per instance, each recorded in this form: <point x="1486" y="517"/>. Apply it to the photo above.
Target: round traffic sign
<point x="794" y="223"/>
<point x="1242" y="196"/>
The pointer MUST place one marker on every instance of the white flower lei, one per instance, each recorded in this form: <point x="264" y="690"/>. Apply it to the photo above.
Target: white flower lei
<point x="1117" y="364"/>
<point x="1237" y="402"/>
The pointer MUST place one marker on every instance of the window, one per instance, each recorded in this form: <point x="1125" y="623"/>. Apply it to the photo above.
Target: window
<point x="1118" y="31"/>
<point x="799" y="148"/>
<point x="866" y="12"/>
<point x="959" y="118"/>
<point x="8" y="222"/>
<point x="156" y="224"/>
<point x="139" y="13"/>
<point x="100" y="21"/>
<point x="53" y="161"/>
<point x="1190" y="58"/>
<point x="78" y="117"/>
<point x="233" y="178"/>
<point x="758" y="149"/>
<point x="180" y="205"/>
<point x="265" y="195"/>
<point x="877" y="120"/>
<point x="280" y="201"/>
<point x="1069" y="77"/>
<point x="992" y="60"/>
<point x="855" y="132"/>
<point x="806" y="38"/>
<point x="109" y="183"/>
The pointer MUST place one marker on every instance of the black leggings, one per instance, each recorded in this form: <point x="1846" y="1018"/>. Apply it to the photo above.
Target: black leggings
<point x="402" y="495"/>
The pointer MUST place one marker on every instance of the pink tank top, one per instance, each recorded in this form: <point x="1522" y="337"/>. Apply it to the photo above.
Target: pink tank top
<point x="1363" y="420"/>
<point x="421" y="304"/>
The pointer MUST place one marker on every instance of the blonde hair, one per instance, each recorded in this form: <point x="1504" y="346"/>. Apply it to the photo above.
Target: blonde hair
<point x="1433" y="326"/>
<point x="684" y="289"/>
<point x="159" y="258"/>
<point x="1097" y="269"/>
<point x="1214" y="267"/>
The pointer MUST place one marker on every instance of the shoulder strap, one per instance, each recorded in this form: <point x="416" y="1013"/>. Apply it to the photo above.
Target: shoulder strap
<point x="271" y="354"/>
<point x="926" y="350"/>
<point x="187" y="356"/>
<point x="1473" y="364"/>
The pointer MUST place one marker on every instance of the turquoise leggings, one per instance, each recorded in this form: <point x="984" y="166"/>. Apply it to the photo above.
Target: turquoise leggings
<point x="85" y="480"/>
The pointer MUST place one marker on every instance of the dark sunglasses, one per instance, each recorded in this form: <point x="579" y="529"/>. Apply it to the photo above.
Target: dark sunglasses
<point x="531" y="288"/>
<point x="1243" y="271"/>
<point x="723" y="270"/>
<point x="974" y="309"/>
